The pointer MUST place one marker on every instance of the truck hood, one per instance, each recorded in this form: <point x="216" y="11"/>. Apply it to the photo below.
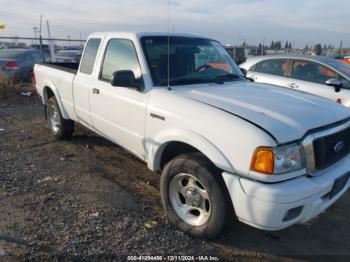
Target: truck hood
<point x="287" y="115"/>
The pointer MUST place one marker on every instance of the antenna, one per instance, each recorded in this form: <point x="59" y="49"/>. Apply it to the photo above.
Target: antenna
<point x="340" y="49"/>
<point x="169" y="88"/>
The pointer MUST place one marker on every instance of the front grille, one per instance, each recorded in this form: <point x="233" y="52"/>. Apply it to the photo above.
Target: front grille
<point x="331" y="149"/>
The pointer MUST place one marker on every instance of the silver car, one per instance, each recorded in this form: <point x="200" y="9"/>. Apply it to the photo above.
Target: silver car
<point x="319" y="75"/>
<point x="66" y="56"/>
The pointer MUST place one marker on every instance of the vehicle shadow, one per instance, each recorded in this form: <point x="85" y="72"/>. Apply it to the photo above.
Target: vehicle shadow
<point x="84" y="137"/>
<point x="92" y="140"/>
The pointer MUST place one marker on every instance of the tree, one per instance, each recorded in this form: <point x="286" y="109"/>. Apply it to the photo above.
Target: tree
<point x="272" y="46"/>
<point x="260" y="49"/>
<point x="278" y="45"/>
<point x="286" y="46"/>
<point x="317" y="49"/>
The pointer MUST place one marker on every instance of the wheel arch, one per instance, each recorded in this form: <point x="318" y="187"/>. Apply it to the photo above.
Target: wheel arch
<point x="167" y="146"/>
<point x="49" y="91"/>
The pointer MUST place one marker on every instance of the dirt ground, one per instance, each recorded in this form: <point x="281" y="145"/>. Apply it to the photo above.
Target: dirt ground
<point x="89" y="199"/>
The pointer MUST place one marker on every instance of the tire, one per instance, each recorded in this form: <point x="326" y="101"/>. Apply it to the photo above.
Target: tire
<point x="61" y="128"/>
<point x="202" y="176"/>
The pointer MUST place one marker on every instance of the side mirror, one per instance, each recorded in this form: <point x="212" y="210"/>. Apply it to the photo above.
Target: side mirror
<point x="125" y="78"/>
<point x="336" y="83"/>
<point x="245" y="72"/>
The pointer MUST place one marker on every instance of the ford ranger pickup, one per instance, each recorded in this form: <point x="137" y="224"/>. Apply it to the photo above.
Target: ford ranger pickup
<point x="226" y="147"/>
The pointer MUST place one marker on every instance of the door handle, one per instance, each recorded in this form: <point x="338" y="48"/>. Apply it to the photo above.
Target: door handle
<point x="96" y="91"/>
<point x="293" y="85"/>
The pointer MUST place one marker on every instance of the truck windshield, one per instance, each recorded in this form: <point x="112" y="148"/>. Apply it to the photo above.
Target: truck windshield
<point x="190" y="60"/>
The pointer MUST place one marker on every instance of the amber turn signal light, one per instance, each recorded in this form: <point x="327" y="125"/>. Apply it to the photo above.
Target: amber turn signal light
<point x="263" y="161"/>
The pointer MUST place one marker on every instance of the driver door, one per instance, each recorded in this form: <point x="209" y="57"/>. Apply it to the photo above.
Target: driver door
<point x="118" y="113"/>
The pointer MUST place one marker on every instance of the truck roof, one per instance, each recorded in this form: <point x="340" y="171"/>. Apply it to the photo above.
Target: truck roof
<point x="142" y="34"/>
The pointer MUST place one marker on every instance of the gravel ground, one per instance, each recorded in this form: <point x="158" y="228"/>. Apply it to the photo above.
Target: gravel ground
<point x="88" y="199"/>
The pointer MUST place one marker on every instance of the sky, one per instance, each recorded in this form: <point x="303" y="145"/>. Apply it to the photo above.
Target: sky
<point x="229" y="21"/>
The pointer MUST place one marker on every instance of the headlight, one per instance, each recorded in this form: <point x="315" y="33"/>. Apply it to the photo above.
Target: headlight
<point x="278" y="160"/>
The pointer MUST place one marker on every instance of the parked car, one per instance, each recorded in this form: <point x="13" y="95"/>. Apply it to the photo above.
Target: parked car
<point x="77" y="58"/>
<point x="346" y="60"/>
<point x="220" y="141"/>
<point x="66" y="56"/>
<point x="319" y="75"/>
<point x="19" y="63"/>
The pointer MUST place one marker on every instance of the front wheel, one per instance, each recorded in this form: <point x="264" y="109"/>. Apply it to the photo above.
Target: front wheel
<point x="193" y="195"/>
<point x="60" y="127"/>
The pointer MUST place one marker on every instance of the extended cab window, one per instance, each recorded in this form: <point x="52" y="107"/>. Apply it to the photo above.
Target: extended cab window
<point x="312" y="72"/>
<point x="277" y="67"/>
<point x="89" y="57"/>
<point x="120" y="55"/>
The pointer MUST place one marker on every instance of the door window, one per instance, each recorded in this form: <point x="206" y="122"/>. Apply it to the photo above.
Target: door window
<point x="120" y="55"/>
<point x="311" y="71"/>
<point x="89" y="57"/>
<point x="277" y="67"/>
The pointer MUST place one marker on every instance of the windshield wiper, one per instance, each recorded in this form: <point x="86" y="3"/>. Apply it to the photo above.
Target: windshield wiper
<point x="234" y="77"/>
<point x="192" y="80"/>
<point x="229" y="76"/>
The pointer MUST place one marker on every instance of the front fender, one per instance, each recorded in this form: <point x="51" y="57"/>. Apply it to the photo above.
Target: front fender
<point x="50" y="85"/>
<point x="159" y="143"/>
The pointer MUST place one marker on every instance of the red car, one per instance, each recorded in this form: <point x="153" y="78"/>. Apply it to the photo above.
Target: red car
<point x="346" y="60"/>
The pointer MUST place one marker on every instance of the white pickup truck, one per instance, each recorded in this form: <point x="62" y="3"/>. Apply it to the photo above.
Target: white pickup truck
<point x="273" y="156"/>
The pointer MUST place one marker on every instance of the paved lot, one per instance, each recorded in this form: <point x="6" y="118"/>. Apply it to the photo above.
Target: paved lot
<point x="88" y="198"/>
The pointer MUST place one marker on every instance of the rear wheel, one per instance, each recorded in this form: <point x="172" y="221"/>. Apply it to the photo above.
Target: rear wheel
<point x="60" y="127"/>
<point x="193" y="195"/>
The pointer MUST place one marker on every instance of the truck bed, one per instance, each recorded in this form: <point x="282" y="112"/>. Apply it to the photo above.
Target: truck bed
<point x="60" y="78"/>
<point x="67" y="67"/>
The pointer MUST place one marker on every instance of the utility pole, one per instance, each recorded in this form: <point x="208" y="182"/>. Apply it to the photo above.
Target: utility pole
<point x="35" y="35"/>
<point x="68" y="40"/>
<point x="293" y="46"/>
<point x="263" y="46"/>
<point x="340" y="49"/>
<point x="51" y="43"/>
<point x="41" y="38"/>
<point x="81" y="45"/>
